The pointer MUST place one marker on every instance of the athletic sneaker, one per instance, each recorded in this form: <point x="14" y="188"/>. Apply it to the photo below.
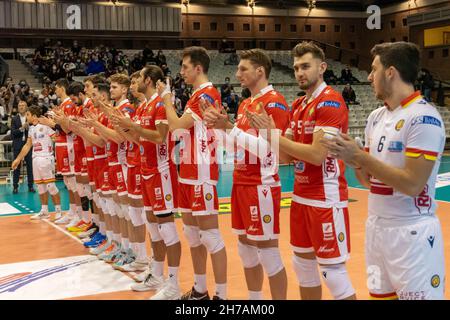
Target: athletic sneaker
<point x="128" y="258"/>
<point x="168" y="291"/>
<point x="40" y="215"/>
<point x="100" y="248"/>
<point x="58" y="215"/>
<point x="113" y="250"/>
<point x="195" y="295"/>
<point x="73" y="222"/>
<point x="150" y="283"/>
<point x="80" y="226"/>
<point x="136" y="265"/>
<point x="64" y="220"/>
<point x="95" y="241"/>
<point x="217" y="298"/>
<point x="143" y="275"/>
<point x="88" y="233"/>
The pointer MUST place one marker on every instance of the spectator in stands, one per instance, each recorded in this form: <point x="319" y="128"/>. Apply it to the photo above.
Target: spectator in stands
<point x="347" y="76"/>
<point x="19" y="133"/>
<point x="225" y="91"/>
<point x="349" y="95"/>
<point x="95" y="65"/>
<point x="165" y="69"/>
<point x="69" y="72"/>
<point x="55" y="73"/>
<point x="233" y="59"/>
<point x="75" y="48"/>
<point x="148" y="55"/>
<point x="440" y="95"/>
<point x="226" y="47"/>
<point x="136" y="63"/>
<point x="426" y="82"/>
<point x="160" y="58"/>
<point x="329" y="77"/>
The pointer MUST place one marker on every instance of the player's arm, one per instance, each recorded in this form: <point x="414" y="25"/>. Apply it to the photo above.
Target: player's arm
<point x="107" y="133"/>
<point x="314" y="153"/>
<point x="157" y="136"/>
<point x="127" y="134"/>
<point x="25" y="149"/>
<point x="90" y="136"/>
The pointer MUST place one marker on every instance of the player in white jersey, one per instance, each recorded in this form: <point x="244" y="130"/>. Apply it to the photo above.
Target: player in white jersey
<point x="405" y="139"/>
<point x="40" y="139"/>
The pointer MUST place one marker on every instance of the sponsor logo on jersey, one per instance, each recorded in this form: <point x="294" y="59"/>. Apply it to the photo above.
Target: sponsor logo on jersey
<point x="208" y="196"/>
<point x="427" y="120"/>
<point x="267" y="218"/>
<point x="395" y="146"/>
<point x="332" y="104"/>
<point x="341" y="237"/>
<point x="141" y="149"/>
<point x="399" y="124"/>
<point x="327" y="229"/>
<point x="431" y="241"/>
<point x="277" y="105"/>
<point x="300" y="166"/>
<point x="435" y="281"/>
<point x="168" y="197"/>
<point x="207" y="97"/>
<point x="158" y="194"/>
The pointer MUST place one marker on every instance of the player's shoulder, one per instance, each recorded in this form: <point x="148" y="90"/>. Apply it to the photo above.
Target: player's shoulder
<point x="274" y="99"/>
<point x="422" y="112"/>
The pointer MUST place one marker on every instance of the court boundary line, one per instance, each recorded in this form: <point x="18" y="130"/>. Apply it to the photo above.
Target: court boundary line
<point x="67" y="233"/>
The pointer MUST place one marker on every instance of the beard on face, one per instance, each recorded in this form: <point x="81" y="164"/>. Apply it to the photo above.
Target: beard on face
<point x="308" y="84"/>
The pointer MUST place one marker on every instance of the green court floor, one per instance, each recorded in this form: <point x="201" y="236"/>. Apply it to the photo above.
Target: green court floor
<point x="25" y="202"/>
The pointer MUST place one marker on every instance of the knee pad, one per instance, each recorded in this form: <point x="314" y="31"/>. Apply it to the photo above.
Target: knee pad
<point x="104" y="203"/>
<point x="212" y="240"/>
<point x="42" y="188"/>
<point x="111" y="207"/>
<point x="249" y="255"/>
<point x="125" y="211"/>
<point x="337" y="280"/>
<point x="192" y="235"/>
<point x="136" y="216"/>
<point x="52" y="188"/>
<point x="169" y="233"/>
<point x="88" y="191"/>
<point x="307" y="272"/>
<point x="85" y="203"/>
<point x="154" y="232"/>
<point x="80" y="190"/>
<point x="96" y="199"/>
<point x="71" y="183"/>
<point x="271" y="260"/>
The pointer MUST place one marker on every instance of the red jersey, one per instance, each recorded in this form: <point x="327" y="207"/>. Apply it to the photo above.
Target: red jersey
<point x="248" y="168"/>
<point x="100" y="152"/>
<point x="68" y="107"/>
<point x="117" y="153"/>
<point x="198" y="150"/>
<point x="133" y="154"/>
<point x="155" y="158"/>
<point x="325" y="185"/>
<point x="88" y="106"/>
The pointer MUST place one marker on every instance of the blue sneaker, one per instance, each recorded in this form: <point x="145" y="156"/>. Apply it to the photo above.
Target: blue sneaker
<point x="97" y="240"/>
<point x="92" y="237"/>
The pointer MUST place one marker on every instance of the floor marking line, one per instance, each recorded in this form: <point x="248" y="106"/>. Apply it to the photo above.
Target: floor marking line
<point x="63" y="231"/>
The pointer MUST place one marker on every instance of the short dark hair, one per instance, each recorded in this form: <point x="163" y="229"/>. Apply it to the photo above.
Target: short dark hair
<point x="96" y="78"/>
<point x="103" y="87"/>
<point x="135" y="75"/>
<point x="259" y="58"/>
<point x="198" y="56"/>
<point x="120" y="79"/>
<point x="75" y="88"/>
<point x="62" y="83"/>
<point x="35" y="111"/>
<point x="154" y="73"/>
<point x="305" y="47"/>
<point x="403" y="56"/>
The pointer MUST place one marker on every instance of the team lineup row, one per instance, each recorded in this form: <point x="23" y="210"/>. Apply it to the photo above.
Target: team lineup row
<point x="116" y="160"/>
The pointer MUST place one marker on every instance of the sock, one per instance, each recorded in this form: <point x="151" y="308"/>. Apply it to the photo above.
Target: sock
<point x="72" y="210"/>
<point x="141" y="251"/>
<point x="255" y="295"/>
<point x="102" y="227"/>
<point x="125" y="244"/>
<point x="173" y="274"/>
<point x="78" y="212"/>
<point x="116" y="237"/>
<point x="58" y="208"/>
<point x="109" y="235"/>
<point x="86" y="217"/>
<point x="44" y="208"/>
<point x="200" y="283"/>
<point x="158" y="268"/>
<point x="221" y="290"/>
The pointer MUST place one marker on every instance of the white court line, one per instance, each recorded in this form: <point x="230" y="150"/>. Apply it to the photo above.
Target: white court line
<point x="63" y="231"/>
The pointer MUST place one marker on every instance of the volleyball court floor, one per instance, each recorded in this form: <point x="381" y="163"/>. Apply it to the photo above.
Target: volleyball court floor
<point x="39" y="260"/>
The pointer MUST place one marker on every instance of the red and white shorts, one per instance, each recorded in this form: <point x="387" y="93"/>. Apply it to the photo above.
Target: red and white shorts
<point x="80" y="165"/>
<point x="63" y="165"/>
<point x="134" y="182"/>
<point x="199" y="199"/>
<point x="255" y="211"/>
<point x="324" y="231"/>
<point x="91" y="171"/>
<point x="160" y="192"/>
<point x="117" y="178"/>
<point x="100" y="168"/>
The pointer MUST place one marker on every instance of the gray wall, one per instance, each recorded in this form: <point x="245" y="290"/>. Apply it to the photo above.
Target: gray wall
<point x="24" y="15"/>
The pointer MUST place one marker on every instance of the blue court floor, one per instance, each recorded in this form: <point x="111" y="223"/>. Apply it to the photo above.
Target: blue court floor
<point x="26" y="203"/>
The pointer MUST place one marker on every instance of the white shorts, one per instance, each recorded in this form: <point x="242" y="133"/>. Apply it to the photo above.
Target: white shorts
<point x="405" y="261"/>
<point x="43" y="170"/>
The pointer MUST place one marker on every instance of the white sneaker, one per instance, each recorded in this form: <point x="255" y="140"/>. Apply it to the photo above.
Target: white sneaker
<point x="143" y="275"/>
<point x="135" y="266"/>
<point x="73" y="222"/>
<point x="58" y="215"/>
<point x="168" y="291"/>
<point x="40" y="215"/>
<point x="64" y="220"/>
<point x="98" y="250"/>
<point x="150" y="283"/>
<point x="87" y="234"/>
